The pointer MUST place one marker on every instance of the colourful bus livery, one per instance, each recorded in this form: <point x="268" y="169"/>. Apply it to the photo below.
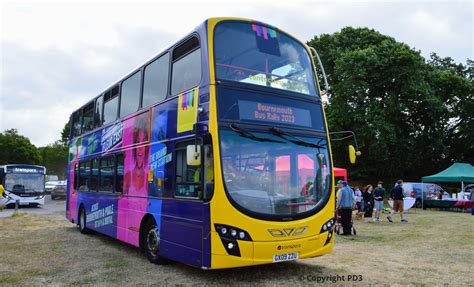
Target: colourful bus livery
<point x="215" y="153"/>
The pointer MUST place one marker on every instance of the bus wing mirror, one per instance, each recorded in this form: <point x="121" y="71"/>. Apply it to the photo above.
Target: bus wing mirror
<point x="193" y="155"/>
<point x="353" y="154"/>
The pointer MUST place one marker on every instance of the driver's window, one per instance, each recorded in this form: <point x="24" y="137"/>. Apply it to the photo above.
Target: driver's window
<point x="208" y="172"/>
<point x="188" y="178"/>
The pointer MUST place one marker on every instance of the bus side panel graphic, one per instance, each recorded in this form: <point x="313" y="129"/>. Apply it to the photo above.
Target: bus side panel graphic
<point x="160" y="156"/>
<point x="101" y="212"/>
<point x="133" y="204"/>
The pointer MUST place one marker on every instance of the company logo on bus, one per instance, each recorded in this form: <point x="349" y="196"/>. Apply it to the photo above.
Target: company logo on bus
<point x="284" y="247"/>
<point x="292" y="231"/>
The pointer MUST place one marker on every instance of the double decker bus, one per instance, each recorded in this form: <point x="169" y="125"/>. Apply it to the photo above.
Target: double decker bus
<point x="214" y="153"/>
<point x="22" y="183"/>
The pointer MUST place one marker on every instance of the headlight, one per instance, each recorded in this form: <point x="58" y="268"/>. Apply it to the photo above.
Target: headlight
<point x="229" y="236"/>
<point x="328" y="225"/>
<point x="231" y="232"/>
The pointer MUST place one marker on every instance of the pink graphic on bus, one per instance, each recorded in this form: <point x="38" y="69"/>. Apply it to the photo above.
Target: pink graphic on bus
<point x="133" y="203"/>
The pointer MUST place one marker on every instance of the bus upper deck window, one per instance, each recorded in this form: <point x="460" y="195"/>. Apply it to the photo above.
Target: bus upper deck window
<point x="111" y="100"/>
<point x="130" y="96"/>
<point x="76" y="123"/>
<point x="88" y="118"/>
<point x="98" y="118"/>
<point x="186" y="69"/>
<point x="155" y="83"/>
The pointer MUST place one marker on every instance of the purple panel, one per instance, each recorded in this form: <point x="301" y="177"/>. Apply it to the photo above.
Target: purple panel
<point x="182" y="228"/>
<point x="184" y="233"/>
<point x="183" y="209"/>
<point x="180" y="253"/>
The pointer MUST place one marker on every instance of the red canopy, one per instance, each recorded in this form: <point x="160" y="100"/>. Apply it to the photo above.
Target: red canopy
<point x="340" y="172"/>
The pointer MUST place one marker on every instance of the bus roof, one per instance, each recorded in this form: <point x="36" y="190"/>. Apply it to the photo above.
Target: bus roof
<point x="202" y="25"/>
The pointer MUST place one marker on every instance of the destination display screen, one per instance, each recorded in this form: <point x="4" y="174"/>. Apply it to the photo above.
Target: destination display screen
<point x="266" y="112"/>
<point x="269" y="108"/>
<point x="24" y="169"/>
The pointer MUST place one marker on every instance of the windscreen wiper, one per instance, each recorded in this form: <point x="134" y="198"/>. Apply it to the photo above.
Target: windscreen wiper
<point x="236" y="128"/>
<point x="296" y="140"/>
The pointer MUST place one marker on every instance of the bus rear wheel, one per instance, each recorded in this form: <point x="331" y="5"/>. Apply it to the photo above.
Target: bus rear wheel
<point x="82" y="221"/>
<point x="150" y="244"/>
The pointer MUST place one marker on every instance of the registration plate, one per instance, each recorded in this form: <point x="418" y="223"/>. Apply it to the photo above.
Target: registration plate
<point x="285" y="257"/>
<point x="24" y="203"/>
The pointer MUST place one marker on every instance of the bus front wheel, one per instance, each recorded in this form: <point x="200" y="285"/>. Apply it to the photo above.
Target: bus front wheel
<point x="150" y="242"/>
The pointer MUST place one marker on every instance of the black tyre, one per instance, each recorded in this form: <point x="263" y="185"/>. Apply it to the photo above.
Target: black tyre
<point x="53" y="198"/>
<point x="150" y="242"/>
<point x="82" y="222"/>
<point x="418" y="203"/>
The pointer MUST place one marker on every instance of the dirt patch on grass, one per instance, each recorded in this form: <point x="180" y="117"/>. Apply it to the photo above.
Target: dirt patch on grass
<point x="434" y="248"/>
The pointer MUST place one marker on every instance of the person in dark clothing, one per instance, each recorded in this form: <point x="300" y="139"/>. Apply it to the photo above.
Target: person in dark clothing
<point x="344" y="204"/>
<point x="397" y="195"/>
<point x="379" y="193"/>
<point x="368" y="202"/>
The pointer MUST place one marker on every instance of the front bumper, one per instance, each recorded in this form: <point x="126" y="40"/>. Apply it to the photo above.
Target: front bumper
<point x="262" y="252"/>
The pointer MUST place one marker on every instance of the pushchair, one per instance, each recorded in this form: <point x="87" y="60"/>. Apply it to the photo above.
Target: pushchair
<point x="339" y="225"/>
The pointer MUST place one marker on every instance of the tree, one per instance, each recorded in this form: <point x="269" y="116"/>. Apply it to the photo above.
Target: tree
<point x="453" y="83"/>
<point x="410" y="115"/>
<point x="65" y="135"/>
<point x="55" y="158"/>
<point x="15" y="148"/>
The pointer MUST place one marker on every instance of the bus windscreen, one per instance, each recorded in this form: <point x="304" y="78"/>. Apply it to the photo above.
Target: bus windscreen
<point x="24" y="183"/>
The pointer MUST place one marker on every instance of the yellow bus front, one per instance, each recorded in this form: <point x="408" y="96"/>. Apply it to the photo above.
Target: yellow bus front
<point x="273" y="195"/>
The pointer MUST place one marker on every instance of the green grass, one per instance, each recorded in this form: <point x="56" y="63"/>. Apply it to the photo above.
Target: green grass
<point x="434" y="248"/>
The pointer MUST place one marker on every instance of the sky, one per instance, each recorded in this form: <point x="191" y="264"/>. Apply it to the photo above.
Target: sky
<point x="55" y="56"/>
